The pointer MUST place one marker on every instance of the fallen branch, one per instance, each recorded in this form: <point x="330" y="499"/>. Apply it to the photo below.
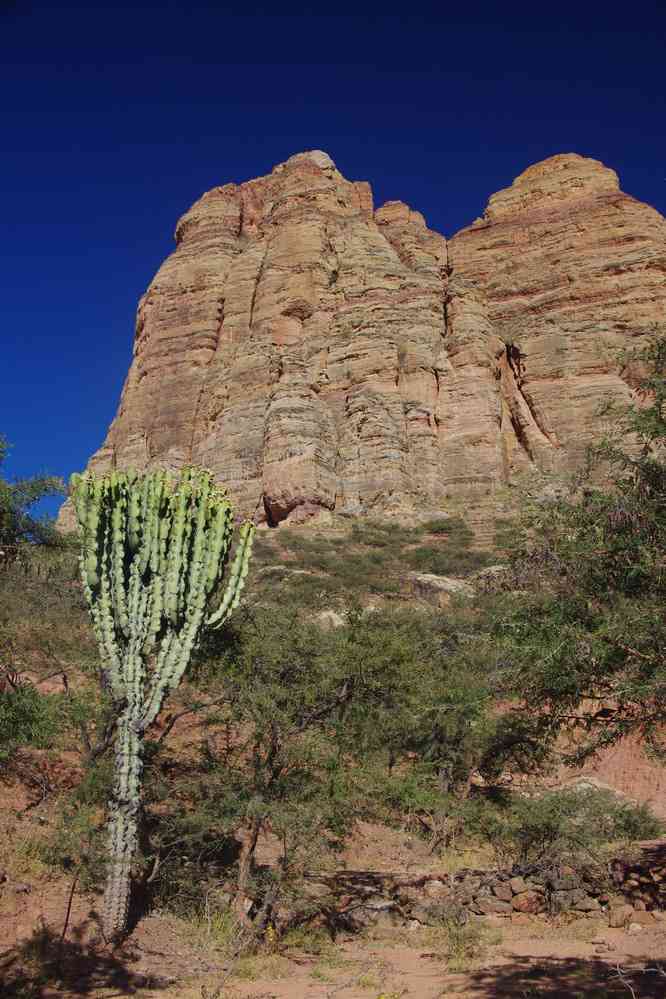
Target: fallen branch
<point x="61" y="942"/>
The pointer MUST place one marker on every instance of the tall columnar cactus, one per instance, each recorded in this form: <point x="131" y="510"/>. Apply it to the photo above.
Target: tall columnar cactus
<point x="155" y="551"/>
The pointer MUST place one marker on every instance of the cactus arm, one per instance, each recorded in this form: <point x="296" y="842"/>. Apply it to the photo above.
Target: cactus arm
<point x="237" y="576"/>
<point x="134" y="660"/>
<point x="134" y="512"/>
<point x="118" y="547"/>
<point x="177" y="545"/>
<point x="169" y="656"/>
<point x="146" y="524"/>
<point x="111" y="661"/>
<point x="200" y="537"/>
<point x="155" y="613"/>
<point x="114" y="662"/>
<point x="219" y="544"/>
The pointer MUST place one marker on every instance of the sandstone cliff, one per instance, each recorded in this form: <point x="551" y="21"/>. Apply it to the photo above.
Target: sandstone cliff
<point x="317" y="353"/>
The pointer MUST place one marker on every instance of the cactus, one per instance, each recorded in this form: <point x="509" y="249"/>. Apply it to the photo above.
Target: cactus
<point x="154" y="555"/>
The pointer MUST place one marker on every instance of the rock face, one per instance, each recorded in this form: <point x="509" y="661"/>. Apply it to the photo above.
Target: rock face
<point x="316" y="353"/>
<point x="573" y="270"/>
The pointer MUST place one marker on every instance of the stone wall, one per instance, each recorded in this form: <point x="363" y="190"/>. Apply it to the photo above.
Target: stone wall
<point x="624" y="892"/>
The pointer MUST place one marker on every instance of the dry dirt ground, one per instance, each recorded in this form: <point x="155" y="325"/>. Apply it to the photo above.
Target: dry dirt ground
<point x="167" y="958"/>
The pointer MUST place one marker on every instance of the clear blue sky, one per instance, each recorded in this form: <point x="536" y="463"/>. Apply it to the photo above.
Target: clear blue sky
<point x="115" y="119"/>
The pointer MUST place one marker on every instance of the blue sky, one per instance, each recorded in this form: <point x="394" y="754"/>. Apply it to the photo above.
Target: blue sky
<point x="115" y="119"/>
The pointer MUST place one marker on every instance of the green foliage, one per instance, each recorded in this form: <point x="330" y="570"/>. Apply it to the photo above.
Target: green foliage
<point x="154" y="553"/>
<point x="447" y="561"/>
<point x="586" y="643"/>
<point x="573" y="823"/>
<point x="385" y="717"/>
<point x="17" y="525"/>
<point x="465" y="942"/>
<point x="453" y="528"/>
<point x="358" y="560"/>
<point x="43" y="616"/>
<point x="27" y="717"/>
<point x="271" y="755"/>
<point x="453" y="555"/>
<point x="75" y="843"/>
<point x="96" y="785"/>
<point x="383" y="534"/>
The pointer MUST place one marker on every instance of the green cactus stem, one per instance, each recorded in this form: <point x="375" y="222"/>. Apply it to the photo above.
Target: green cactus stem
<point x="154" y="553"/>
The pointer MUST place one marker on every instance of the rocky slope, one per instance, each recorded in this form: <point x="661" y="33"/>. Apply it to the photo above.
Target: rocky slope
<point x="318" y="354"/>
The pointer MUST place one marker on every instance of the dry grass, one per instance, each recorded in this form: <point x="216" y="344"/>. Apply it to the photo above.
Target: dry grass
<point x="43" y="616"/>
<point x="256" y="967"/>
<point x="455" y="859"/>
<point x="567" y="928"/>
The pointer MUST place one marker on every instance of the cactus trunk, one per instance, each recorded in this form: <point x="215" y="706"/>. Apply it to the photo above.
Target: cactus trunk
<point x="123" y="824"/>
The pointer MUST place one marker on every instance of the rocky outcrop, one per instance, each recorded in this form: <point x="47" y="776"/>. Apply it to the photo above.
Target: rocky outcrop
<point x="439" y="591"/>
<point x="573" y="271"/>
<point x="317" y="354"/>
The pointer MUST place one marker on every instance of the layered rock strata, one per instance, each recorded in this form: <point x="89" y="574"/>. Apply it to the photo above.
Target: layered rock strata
<point x="318" y="354"/>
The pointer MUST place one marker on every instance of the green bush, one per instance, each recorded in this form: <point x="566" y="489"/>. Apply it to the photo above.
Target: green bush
<point x="383" y="534"/>
<point x="75" y="842"/>
<point x="589" y="557"/>
<point x="446" y="561"/>
<point x="453" y="527"/>
<point x="312" y="730"/>
<point x="42" y="611"/>
<point x="28" y="718"/>
<point x="17" y="525"/>
<point x="359" y="559"/>
<point x="564" y="824"/>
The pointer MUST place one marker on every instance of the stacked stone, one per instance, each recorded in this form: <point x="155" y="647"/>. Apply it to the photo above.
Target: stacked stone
<point x="628" y="894"/>
<point x="522" y="889"/>
<point x="643" y="882"/>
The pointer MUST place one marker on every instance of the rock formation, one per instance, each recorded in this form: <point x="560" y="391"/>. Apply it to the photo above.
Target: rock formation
<point x="316" y="353"/>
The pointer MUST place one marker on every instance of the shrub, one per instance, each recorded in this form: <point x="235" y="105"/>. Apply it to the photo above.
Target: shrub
<point x="452" y="527"/>
<point x="27" y="718"/>
<point x="446" y="561"/>
<point x="382" y="534"/>
<point x="311" y="731"/>
<point x="17" y="525"/>
<point x="42" y="611"/>
<point x="75" y="843"/>
<point x="565" y="823"/>
<point x="590" y="560"/>
<point x="461" y="942"/>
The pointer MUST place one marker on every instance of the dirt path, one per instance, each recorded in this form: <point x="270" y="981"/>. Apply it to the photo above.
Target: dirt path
<point x="163" y="960"/>
<point x="519" y="966"/>
<point x="168" y="958"/>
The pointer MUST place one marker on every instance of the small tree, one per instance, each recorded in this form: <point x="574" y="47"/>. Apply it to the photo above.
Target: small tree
<point x="16" y="498"/>
<point x="587" y="643"/>
<point x="154" y="556"/>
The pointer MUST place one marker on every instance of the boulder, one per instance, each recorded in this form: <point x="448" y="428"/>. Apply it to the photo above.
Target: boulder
<point x="529" y="901"/>
<point x="437" y="590"/>
<point x="587" y="904"/>
<point x="620" y="915"/>
<point x="503" y="890"/>
<point x="490" y="906"/>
